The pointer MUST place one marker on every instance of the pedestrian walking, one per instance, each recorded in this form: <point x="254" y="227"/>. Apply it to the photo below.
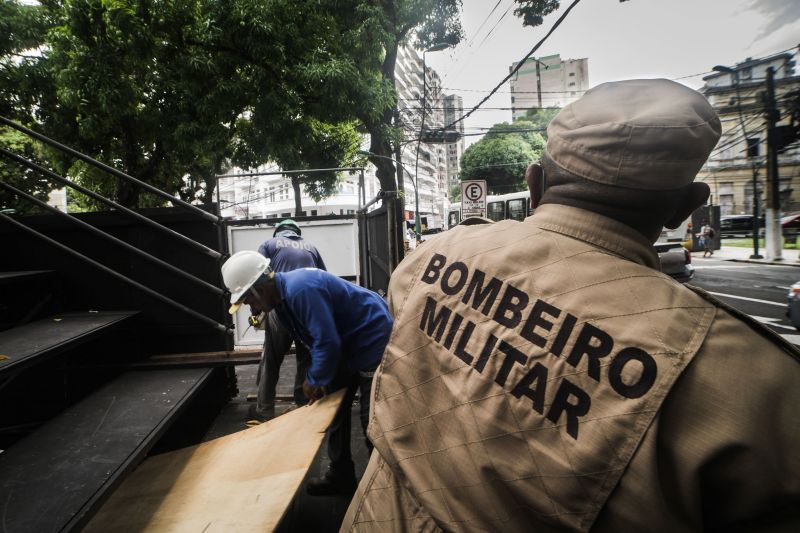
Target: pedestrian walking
<point x="706" y="238"/>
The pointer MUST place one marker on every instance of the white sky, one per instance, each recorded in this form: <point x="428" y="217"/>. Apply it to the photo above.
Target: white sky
<point x="635" y="39"/>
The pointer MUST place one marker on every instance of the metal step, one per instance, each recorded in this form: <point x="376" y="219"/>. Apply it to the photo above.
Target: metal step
<point x="56" y="477"/>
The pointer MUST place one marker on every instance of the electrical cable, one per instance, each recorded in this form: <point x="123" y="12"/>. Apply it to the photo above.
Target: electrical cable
<point x="518" y="66"/>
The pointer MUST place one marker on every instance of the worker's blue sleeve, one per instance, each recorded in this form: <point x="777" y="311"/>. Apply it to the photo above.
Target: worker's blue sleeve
<point x="314" y="309"/>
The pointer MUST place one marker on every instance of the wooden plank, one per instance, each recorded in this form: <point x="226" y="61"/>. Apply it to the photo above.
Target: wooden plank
<point x="44" y="338"/>
<point x="54" y="478"/>
<point x="199" y="356"/>
<point x="241" y="482"/>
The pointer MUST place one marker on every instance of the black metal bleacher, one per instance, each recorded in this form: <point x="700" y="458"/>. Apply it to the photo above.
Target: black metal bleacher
<point x="73" y="422"/>
<point x="57" y="477"/>
<point x="31" y="343"/>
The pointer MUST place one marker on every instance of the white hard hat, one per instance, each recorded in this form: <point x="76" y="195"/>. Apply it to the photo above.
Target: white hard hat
<point x="239" y="273"/>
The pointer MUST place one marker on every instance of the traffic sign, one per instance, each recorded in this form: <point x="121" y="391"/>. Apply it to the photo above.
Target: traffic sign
<point x="473" y="198"/>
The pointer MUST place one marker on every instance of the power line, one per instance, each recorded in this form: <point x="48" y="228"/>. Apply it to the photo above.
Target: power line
<point x="471" y="41"/>
<point x="519" y="65"/>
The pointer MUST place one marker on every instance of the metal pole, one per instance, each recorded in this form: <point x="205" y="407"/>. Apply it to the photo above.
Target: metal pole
<point x="756" y="225"/>
<point x="772" y="235"/>
<point x="103" y="234"/>
<point x="417" y="227"/>
<point x="114" y="205"/>
<point x="97" y="164"/>
<point x="147" y="290"/>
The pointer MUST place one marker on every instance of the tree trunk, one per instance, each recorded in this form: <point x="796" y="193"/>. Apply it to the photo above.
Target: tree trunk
<point x="298" y="199"/>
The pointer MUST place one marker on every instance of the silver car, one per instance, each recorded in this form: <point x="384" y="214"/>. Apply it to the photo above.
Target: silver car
<point x="676" y="260"/>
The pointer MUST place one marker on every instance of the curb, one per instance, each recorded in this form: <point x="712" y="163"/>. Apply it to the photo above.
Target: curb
<point x="760" y="262"/>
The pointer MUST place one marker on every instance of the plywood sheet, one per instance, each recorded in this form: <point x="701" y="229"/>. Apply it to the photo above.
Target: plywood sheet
<point x="241" y="482"/>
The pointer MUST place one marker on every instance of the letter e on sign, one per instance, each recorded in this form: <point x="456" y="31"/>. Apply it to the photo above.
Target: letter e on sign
<point x="473" y="198"/>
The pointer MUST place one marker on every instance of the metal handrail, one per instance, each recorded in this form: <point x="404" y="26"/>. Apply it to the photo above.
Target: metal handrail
<point x="97" y="164"/>
<point x="127" y="246"/>
<point x="219" y="327"/>
<point x="100" y="198"/>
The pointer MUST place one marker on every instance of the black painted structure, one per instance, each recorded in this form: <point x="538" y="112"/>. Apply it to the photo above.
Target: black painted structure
<point x="163" y="328"/>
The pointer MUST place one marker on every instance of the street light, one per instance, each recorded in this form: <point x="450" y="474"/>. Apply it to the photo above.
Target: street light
<point x="735" y="75"/>
<point x="434" y="48"/>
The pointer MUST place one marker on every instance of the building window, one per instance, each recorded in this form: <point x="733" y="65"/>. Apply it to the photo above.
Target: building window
<point x="313" y="212"/>
<point x="572" y="74"/>
<point x="572" y="84"/>
<point x="752" y="146"/>
<point x="286" y="215"/>
<point x="512" y="99"/>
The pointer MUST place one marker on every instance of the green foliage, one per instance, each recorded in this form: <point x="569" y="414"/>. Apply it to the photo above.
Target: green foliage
<point x="540" y="118"/>
<point x="503" y="155"/>
<point x="532" y="12"/>
<point x="21" y="177"/>
<point x="455" y="193"/>
<point x="501" y="161"/>
<point x="172" y="92"/>
<point x="527" y="131"/>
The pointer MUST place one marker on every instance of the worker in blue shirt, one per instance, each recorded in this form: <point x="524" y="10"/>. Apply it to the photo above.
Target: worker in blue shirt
<point x="346" y="329"/>
<point x="287" y="251"/>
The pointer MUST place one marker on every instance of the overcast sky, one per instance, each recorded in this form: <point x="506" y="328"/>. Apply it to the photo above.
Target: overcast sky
<point x="675" y="39"/>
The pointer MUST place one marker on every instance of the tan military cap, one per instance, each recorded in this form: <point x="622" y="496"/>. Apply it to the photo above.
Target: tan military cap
<point x="639" y="134"/>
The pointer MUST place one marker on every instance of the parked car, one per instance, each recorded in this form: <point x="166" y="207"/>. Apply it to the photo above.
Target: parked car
<point x="739" y="225"/>
<point x="676" y="260"/>
<point x="793" y="310"/>
<point x="790" y="225"/>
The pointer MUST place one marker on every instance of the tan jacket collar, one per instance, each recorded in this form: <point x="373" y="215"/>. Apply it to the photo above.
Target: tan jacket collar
<point x="598" y="230"/>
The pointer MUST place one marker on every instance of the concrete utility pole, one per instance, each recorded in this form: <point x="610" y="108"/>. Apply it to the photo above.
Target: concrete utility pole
<point x="773" y="242"/>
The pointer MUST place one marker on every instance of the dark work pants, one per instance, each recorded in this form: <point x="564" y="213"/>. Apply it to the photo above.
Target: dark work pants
<point x="277" y="341"/>
<point x="339" y="431"/>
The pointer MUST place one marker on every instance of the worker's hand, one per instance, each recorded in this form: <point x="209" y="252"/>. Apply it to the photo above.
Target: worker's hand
<point x="313" y="392"/>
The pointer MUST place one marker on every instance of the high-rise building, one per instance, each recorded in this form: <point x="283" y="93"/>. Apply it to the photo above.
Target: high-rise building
<point x="547" y="81"/>
<point x="454" y="109"/>
<point x="426" y="163"/>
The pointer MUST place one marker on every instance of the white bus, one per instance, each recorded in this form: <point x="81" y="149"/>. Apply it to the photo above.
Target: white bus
<point x="511" y="206"/>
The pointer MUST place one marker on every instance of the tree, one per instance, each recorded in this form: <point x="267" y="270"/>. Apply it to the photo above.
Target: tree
<point x="527" y="131"/>
<point x="501" y="161"/>
<point x="168" y="89"/>
<point x="322" y="146"/>
<point x="161" y="90"/>
<point x="540" y="118"/>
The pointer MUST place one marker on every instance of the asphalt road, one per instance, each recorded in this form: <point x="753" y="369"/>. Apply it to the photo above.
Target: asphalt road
<point x="756" y="289"/>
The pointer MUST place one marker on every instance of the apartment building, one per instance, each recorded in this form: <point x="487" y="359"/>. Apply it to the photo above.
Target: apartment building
<point x="547" y="81"/>
<point x="740" y="158"/>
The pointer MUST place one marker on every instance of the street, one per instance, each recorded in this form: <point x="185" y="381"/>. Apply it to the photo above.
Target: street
<point x="758" y="290"/>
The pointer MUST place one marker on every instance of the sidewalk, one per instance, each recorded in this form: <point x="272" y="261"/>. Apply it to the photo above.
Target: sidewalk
<point x="735" y="253"/>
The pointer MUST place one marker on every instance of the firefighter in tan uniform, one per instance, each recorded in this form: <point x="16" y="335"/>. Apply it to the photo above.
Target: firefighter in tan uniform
<point x="546" y="376"/>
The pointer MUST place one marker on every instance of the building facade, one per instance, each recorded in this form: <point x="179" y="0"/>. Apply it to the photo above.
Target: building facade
<point x="453" y="110"/>
<point x="547" y="81"/>
<point x="736" y="170"/>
